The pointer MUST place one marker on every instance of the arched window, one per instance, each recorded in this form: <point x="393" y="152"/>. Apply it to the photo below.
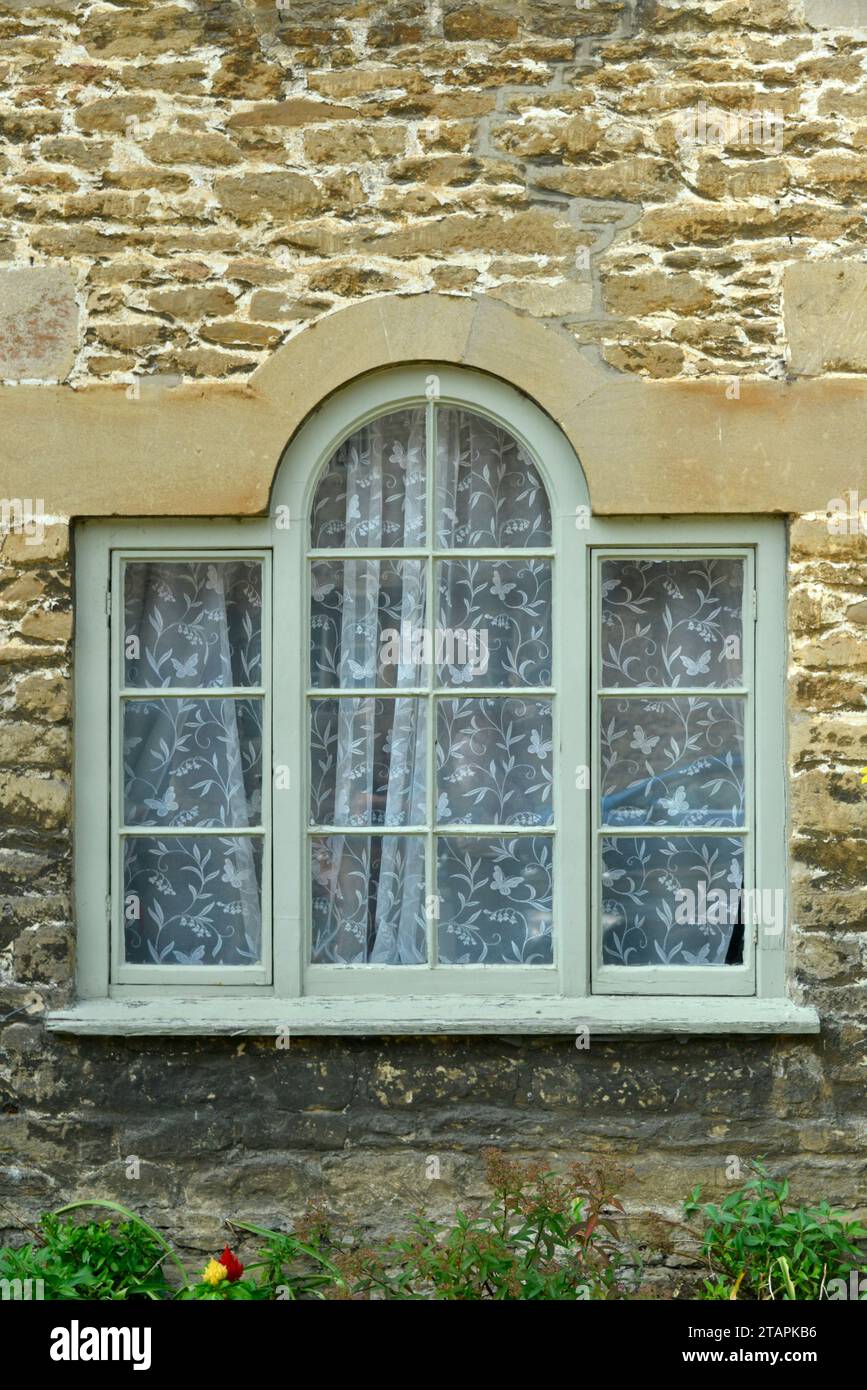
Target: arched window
<point x="431" y="746"/>
<point x="432" y="754"/>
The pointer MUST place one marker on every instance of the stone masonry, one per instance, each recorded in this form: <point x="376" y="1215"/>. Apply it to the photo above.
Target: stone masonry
<point x="192" y="183"/>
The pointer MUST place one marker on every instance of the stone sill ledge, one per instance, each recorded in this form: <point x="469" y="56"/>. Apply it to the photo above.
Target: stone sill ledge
<point x="609" y="1016"/>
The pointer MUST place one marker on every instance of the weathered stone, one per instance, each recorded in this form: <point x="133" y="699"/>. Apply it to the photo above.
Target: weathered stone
<point x="43" y="955"/>
<point x="193" y="302"/>
<point x="535" y="232"/>
<point x="723" y="178"/>
<point x="297" y="111"/>
<point x="705" y="226"/>
<point x="203" y="362"/>
<point x="129" y="33"/>
<point x="656" y="359"/>
<point x="191" y="147"/>
<point x="141" y="334"/>
<point x="243" y="76"/>
<point x="354" y="144"/>
<point x="547" y="301"/>
<point x="631" y="180"/>
<point x="350" y="281"/>
<point x="181" y="78"/>
<point x="835" y="14"/>
<point x="271" y="195"/>
<point x="28" y="123"/>
<point x="47" y="625"/>
<point x="38" y="324"/>
<point x="26" y="587"/>
<point x="45" y="697"/>
<point x="38" y="540"/>
<point x="551" y="139"/>
<point x="656" y="292"/>
<point x="826" y="316"/>
<point x="155" y="180"/>
<point x="834" y="649"/>
<point x="242" y="335"/>
<point x="270" y="305"/>
<point x="33" y="745"/>
<point x="117" y="114"/>
<point x="43" y="802"/>
<point x="838" y="534"/>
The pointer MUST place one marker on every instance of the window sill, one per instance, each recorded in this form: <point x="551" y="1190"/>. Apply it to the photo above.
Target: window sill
<point x="310" y="1016"/>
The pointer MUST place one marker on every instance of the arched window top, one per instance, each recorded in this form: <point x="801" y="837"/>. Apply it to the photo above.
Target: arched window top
<point x="486" y="491"/>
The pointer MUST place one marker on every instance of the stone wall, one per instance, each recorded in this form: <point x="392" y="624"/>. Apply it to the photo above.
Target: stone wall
<point x="195" y="182"/>
<point x="214" y="176"/>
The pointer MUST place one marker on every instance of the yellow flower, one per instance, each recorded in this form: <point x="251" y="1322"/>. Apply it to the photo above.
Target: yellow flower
<point x="864" y="775"/>
<point x="214" y="1273"/>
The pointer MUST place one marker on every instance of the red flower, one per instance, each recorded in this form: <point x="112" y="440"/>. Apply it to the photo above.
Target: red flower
<point x="233" y="1267"/>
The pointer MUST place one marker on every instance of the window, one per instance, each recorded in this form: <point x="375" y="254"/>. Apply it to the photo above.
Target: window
<point x="431" y="746"/>
<point x="431" y="814"/>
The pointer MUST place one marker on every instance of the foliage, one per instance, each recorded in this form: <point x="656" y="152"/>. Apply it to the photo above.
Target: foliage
<point x="542" y="1235"/>
<point x="93" y="1260"/>
<point x="758" y="1247"/>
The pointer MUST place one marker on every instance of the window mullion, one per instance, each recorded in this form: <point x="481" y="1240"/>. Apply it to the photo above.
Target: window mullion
<point x="431" y="902"/>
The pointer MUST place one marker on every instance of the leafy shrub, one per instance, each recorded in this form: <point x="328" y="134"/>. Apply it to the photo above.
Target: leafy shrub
<point x="93" y="1260"/>
<point x="540" y="1236"/>
<point x="757" y="1247"/>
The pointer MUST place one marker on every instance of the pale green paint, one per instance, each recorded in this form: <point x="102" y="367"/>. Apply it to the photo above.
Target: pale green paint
<point x="477" y="998"/>
<point x="456" y="1015"/>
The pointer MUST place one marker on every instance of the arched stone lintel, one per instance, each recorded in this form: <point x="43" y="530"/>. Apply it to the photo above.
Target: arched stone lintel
<point x="713" y="445"/>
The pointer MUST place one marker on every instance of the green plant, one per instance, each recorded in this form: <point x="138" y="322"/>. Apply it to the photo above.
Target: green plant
<point x="542" y="1235"/>
<point x="90" y="1260"/>
<point x="758" y="1247"/>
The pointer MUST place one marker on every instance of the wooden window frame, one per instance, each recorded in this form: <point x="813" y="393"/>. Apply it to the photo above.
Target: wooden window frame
<point x="292" y="996"/>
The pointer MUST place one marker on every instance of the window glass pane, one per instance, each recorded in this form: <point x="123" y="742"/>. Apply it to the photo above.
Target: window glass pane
<point x="672" y="762"/>
<point x="192" y="899"/>
<point x="369" y="900"/>
<point x="495" y="900"/>
<point x="368" y="762"/>
<point x="488" y="491"/>
<point x="494" y="622"/>
<point x="489" y="624"/>
<point x="192" y="762"/>
<point x="672" y="622"/>
<point x="367" y="623"/>
<point x="672" y="901"/>
<point x="372" y="494"/>
<point x="494" y="762"/>
<point x="193" y="623"/>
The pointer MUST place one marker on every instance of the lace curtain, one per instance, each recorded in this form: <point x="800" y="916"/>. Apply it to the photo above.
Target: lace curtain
<point x="192" y="763"/>
<point x="672" y="762"/>
<point x="370" y="620"/>
<point x="431" y="732"/>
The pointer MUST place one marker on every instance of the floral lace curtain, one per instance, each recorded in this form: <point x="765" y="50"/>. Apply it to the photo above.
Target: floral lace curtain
<point x="487" y="625"/>
<point x="192" y="763"/>
<point x="672" y="763"/>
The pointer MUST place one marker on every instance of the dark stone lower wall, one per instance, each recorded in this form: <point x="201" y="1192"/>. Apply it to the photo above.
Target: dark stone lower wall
<point x="241" y="1128"/>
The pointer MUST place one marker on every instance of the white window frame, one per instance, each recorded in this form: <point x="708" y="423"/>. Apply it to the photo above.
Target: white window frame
<point x="288" y="993"/>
